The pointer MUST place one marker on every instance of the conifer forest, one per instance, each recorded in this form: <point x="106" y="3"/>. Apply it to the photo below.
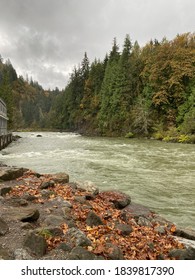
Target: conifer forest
<point x="134" y="91"/>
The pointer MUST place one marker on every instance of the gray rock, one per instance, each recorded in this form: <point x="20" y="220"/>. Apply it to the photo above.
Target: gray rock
<point x="24" y="214"/>
<point x="22" y="254"/>
<point x="93" y="219"/>
<point x="137" y="210"/>
<point x="185" y="233"/>
<point x="3" y="227"/>
<point x="160" y="229"/>
<point x="15" y="201"/>
<point x="54" y="220"/>
<point x="88" y="187"/>
<point x="55" y="254"/>
<point x="70" y="223"/>
<point x="183" y="254"/>
<point x="60" y="201"/>
<point x="29" y="197"/>
<point x="11" y="173"/>
<point x="4" y="190"/>
<point x="114" y="252"/>
<point x="76" y="237"/>
<point x="186" y="242"/>
<point x="5" y="254"/>
<point x="124" y="229"/>
<point x="80" y="199"/>
<point x="143" y="221"/>
<point x="35" y="243"/>
<point x="26" y="226"/>
<point x="66" y="211"/>
<point x="120" y="200"/>
<point x="79" y="253"/>
<point x="46" y="193"/>
<point x="46" y="185"/>
<point x="29" y="215"/>
<point x="65" y="247"/>
<point x="157" y="219"/>
<point x="60" y="178"/>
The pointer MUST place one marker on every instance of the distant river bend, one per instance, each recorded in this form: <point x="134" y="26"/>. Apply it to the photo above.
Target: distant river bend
<point x="156" y="174"/>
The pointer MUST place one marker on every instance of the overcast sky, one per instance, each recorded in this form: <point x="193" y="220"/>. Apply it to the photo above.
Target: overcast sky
<point x="46" y="38"/>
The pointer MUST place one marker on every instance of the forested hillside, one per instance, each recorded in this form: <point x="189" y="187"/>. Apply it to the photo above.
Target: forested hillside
<point x="148" y="91"/>
<point x="27" y="103"/>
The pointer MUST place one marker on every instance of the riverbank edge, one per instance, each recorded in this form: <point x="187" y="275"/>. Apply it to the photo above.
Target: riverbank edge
<point x="140" y="216"/>
<point x="169" y="136"/>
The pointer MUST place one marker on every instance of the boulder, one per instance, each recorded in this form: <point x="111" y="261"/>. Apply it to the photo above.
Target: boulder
<point x="113" y="252"/>
<point x="124" y="229"/>
<point x="61" y="202"/>
<point x="143" y="221"/>
<point x="183" y="254"/>
<point x="3" y="227"/>
<point x="35" y="243"/>
<point x="79" y="253"/>
<point x="119" y="199"/>
<point x="185" y="233"/>
<point x="76" y="237"/>
<point x="16" y="201"/>
<point x="24" y="214"/>
<point x="88" y="187"/>
<point x="61" y="177"/>
<point x="186" y="242"/>
<point x="136" y="210"/>
<point x="54" y="220"/>
<point x="46" y="185"/>
<point x="93" y="219"/>
<point x="11" y="173"/>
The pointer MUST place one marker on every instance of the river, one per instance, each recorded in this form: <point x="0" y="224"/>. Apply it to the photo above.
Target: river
<point x="156" y="174"/>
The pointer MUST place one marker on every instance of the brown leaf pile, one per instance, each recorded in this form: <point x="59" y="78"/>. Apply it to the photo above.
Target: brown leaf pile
<point x="143" y="243"/>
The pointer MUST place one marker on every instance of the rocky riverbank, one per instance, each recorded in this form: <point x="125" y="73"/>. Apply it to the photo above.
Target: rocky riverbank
<point x="48" y="217"/>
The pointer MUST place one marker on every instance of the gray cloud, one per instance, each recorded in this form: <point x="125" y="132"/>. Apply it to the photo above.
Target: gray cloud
<point x="46" y="38"/>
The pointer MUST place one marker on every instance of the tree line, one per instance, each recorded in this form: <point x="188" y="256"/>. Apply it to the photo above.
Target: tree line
<point x="138" y="91"/>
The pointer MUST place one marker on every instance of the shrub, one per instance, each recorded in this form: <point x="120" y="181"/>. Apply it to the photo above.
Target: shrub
<point x="158" y="135"/>
<point x="183" y="138"/>
<point x="129" y="135"/>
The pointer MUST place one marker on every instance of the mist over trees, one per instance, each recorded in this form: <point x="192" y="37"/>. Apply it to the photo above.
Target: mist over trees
<point x="141" y="91"/>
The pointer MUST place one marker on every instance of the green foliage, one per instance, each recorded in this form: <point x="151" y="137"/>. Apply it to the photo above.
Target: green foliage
<point x="45" y="233"/>
<point x="184" y="138"/>
<point x="129" y="135"/>
<point x="147" y="91"/>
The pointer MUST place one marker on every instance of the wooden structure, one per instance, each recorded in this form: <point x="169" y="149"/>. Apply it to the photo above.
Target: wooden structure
<point x="5" y="136"/>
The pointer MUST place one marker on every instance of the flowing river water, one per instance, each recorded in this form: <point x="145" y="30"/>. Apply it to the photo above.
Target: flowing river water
<point x="156" y="174"/>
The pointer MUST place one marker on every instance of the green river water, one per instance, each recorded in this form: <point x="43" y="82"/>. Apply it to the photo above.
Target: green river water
<point x="156" y="174"/>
